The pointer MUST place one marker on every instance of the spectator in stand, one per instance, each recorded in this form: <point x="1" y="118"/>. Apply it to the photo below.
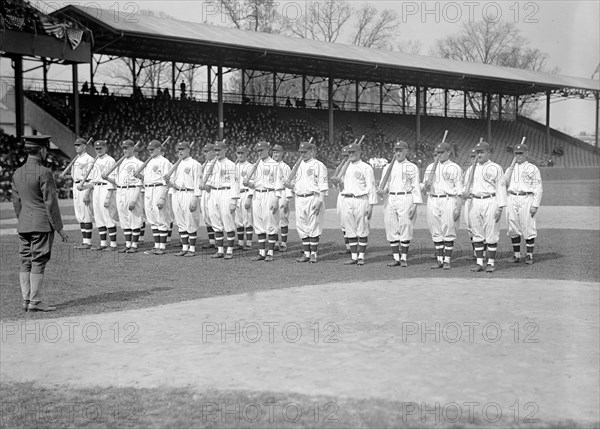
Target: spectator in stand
<point x="85" y="87"/>
<point x="166" y="94"/>
<point x="182" y="89"/>
<point x="104" y="89"/>
<point x="93" y="90"/>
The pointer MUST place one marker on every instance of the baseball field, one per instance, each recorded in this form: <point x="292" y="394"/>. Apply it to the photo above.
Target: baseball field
<point x="159" y="341"/>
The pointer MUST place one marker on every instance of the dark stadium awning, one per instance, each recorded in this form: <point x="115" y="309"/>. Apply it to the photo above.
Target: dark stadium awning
<point x="141" y="36"/>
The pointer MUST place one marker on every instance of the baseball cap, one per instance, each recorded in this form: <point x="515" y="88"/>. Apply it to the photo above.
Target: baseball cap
<point x="80" y="141"/>
<point x="242" y="149"/>
<point x="127" y="143"/>
<point x="99" y="144"/>
<point x="442" y="147"/>
<point x="183" y="145"/>
<point x="345" y="150"/>
<point x="305" y="147"/>
<point x="521" y="148"/>
<point x="473" y="153"/>
<point x="208" y="147"/>
<point x="277" y="148"/>
<point x="261" y="145"/>
<point x="38" y="140"/>
<point x="354" y="147"/>
<point x="154" y="144"/>
<point x="400" y="144"/>
<point x="482" y="146"/>
<point x="220" y="146"/>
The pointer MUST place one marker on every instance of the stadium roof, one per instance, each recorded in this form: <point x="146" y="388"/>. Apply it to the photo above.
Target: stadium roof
<point x="141" y="36"/>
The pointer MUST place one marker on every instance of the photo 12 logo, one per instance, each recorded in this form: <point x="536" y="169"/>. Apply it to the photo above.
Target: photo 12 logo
<point x="469" y="11"/>
<point x="270" y="332"/>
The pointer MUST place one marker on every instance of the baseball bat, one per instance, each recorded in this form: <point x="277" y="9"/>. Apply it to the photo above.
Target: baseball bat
<point x="138" y="145"/>
<point x="174" y="167"/>
<point x="431" y="177"/>
<point x="137" y="173"/>
<point x="388" y="173"/>
<point x="342" y="172"/>
<point x="294" y="171"/>
<point x="68" y="167"/>
<point x="210" y="168"/>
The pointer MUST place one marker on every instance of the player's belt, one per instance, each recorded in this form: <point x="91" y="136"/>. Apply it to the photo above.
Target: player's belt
<point x="127" y="186"/>
<point x="280" y="189"/>
<point x="243" y="190"/>
<point x="520" y="193"/>
<point x="77" y="182"/>
<point x="305" y="195"/>
<point x="224" y="188"/>
<point x="482" y="197"/>
<point x="354" y="196"/>
<point x="183" y="189"/>
<point x="264" y="190"/>
<point x="152" y="185"/>
<point x="445" y="195"/>
<point x="100" y="183"/>
<point x="400" y="193"/>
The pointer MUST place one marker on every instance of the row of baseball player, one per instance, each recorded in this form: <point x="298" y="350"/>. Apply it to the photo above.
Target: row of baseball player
<point x="243" y="198"/>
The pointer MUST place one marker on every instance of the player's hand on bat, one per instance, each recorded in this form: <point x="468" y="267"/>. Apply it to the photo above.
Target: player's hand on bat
<point x="160" y="204"/>
<point x="369" y="212"/>
<point x="131" y="205"/>
<point x="86" y="199"/>
<point x="380" y="192"/>
<point x="456" y="214"/>
<point x="498" y="214"/>
<point x="317" y="206"/>
<point x="193" y="206"/>
<point x="248" y="204"/>
<point x="106" y="204"/>
<point x="533" y="211"/>
<point x="274" y="206"/>
<point x="412" y="211"/>
<point x="232" y="207"/>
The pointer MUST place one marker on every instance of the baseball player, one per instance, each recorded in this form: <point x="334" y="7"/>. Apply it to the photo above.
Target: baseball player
<point x="243" y="214"/>
<point x="338" y="206"/>
<point x="265" y="181"/>
<point x="524" y="183"/>
<point x="488" y="199"/>
<point x="223" y="184"/>
<point x="156" y="200"/>
<point x="136" y="152"/>
<point x="103" y="197"/>
<point x="358" y="198"/>
<point x="184" y="186"/>
<point x="82" y="199"/>
<point x="129" y="197"/>
<point x="209" y="155"/>
<point x="400" y="207"/>
<point x="286" y="195"/>
<point x="310" y="187"/>
<point x="444" y="189"/>
<point x="467" y="202"/>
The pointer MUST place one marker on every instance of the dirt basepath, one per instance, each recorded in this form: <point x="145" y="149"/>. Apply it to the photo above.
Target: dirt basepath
<point x="496" y="342"/>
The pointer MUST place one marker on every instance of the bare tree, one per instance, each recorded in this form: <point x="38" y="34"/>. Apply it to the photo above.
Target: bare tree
<point x="255" y="15"/>
<point x="322" y="21"/>
<point x="409" y="46"/>
<point x="375" y="29"/>
<point x="498" y="43"/>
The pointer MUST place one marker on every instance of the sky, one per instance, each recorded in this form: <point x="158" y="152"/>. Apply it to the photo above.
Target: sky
<point x="569" y="31"/>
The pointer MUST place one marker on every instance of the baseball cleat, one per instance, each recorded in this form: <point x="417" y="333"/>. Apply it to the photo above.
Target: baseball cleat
<point x="446" y="265"/>
<point x="182" y="253"/>
<point x="351" y="262"/>
<point x="258" y="258"/>
<point x="345" y="252"/>
<point x="477" y="268"/>
<point x="190" y="254"/>
<point x="83" y="246"/>
<point x="437" y="265"/>
<point x="283" y="247"/>
<point x="490" y="269"/>
<point x="39" y="307"/>
<point x="313" y="259"/>
<point x="529" y="261"/>
<point x="25" y="304"/>
<point x="303" y="258"/>
<point x="394" y="264"/>
<point x="217" y="255"/>
<point x="100" y="248"/>
<point x="360" y="262"/>
<point x="123" y="250"/>
<point x="516" y="260"/>
<point x="404" y="264"/>
<point x="112" y="248"/>
<point x="159" y="252"/>
<point x="268" y="258"/>
<point x="248" y="247"/>
<point x="228" y="256"/>
<point x="132" y="250"/>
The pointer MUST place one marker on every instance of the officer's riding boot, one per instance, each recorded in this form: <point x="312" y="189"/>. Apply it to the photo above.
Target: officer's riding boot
<point x="35" y="303"/>
<point x="25" y="288"/>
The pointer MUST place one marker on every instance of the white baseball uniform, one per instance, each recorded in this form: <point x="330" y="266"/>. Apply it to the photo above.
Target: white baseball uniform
<point x="488" y="192"/>
<point x="309" y="184"/>
<point x="79" y="169"/>
<point x="104" y="217"/>
<point x="446" y="189"/>
<point x="286" y="194"/>
<point x="186" y="187"/>
<point x="205" y="196"/>
<point x="243" y="217"/>
<point x="129" y="190"/>
<point x="404" y="191"/>
<point x="267" y="180"/>
<point x="155" y="189"/>
<point x="524" y="192"/>
<point x="225" y="190"/>
<point x="359" y="192"/>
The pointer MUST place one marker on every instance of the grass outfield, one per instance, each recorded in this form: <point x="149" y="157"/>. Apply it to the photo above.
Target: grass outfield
<point x="185" y="408"/>
<point x="85" y="282"/>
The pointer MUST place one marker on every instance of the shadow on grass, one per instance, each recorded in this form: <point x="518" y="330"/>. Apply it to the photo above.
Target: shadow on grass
<point x="121" y="296"/>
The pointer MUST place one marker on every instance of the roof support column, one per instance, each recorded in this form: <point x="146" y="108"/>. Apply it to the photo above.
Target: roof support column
<point x="220" y="99"/>
<point x="483" y="105"/>
<point x="547" y="140"/>
<point x="425" y="101"/>
<point x="92" y="72"/>
<point x="380" y="97"/>
<point x="516" y="106"/>
<point x="488" y="112"/>
<point x="304" y="90"/>
<point x="597" y="117"/>
<point x="330" y="106"/>
<point x="465" y="104"/>
<point x="445" y="103"/>
<point x="356" y="96"/>
<point x="133" y="75"/>
<point x="243" y="86"/>
<point x="275" y="89"/>
<point x="45" y="70"/>
<point x="173" y="79"/>
<point x="499" y="107"/>
<point x="208" y="84"/>
<point x="75" y="98"/>
<point x="418" y="92"/>
<point x="19" y="110"/>
<point x="404" y="99"/>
